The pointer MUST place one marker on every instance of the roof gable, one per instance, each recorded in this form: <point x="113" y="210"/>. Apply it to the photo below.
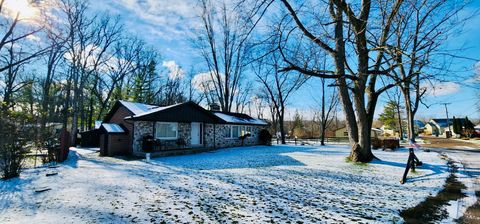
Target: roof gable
<point x="133" y="107"/>
<point x="443" y="122"/>
<point x="137" y="108"/>
<point x="182" y="112"/>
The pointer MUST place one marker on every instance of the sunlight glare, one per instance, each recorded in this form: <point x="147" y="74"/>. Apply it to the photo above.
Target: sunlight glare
<point x="25" y="9"/>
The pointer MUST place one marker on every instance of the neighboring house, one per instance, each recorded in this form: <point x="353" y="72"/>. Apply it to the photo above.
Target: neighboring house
<point x="342" y="132"/>
<point x="418" y="126"/>
<point x="180" y="126"/>
<point x="387" y="132"/>
<point x="439" y="127"/>
<point x="477" y="129"/>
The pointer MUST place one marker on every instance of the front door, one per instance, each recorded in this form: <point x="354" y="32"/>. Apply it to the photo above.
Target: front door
<point x="196" y="133"/>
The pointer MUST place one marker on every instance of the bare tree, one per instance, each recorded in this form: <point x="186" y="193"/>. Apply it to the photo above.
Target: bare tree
<point x="14" y="32"/>
<point x="356" y="85"/>
<point x="323" y="117"/>
<point x="13" y="78"/>
<point x="53" y="58"/>
<point x="278" y="86"/>
<point x="121" y="63"/>
<point x="419" y="30"/>
<point x="88" y="41"/>
<point x="15" y="51"/>
<point x="223" y="45"/>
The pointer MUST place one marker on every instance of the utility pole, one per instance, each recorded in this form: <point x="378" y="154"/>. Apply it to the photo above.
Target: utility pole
<point x="448" y="120"/>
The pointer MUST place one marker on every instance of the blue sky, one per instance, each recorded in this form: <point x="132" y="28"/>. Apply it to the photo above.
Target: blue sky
<point x="166" y="26"/>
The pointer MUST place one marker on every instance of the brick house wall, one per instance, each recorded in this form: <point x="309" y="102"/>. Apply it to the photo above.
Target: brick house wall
<point x="222" y="141"/>
<point x="142" y="128"/>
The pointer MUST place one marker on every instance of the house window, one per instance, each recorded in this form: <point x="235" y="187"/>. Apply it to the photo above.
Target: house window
<point x="246" y="130"/>
<point x="166" y="130"/>
<point x="228" y="132"/>
<point x="235" y="131"/>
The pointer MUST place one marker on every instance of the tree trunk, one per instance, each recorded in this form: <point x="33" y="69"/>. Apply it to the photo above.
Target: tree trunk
<point x="410" y="114"/>
<point x="282" y="127"/>
<point x="323" y="116"/>
<point x="400" y="126"/>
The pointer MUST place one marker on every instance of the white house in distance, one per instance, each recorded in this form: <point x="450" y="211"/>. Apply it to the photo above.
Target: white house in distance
<point x="342" y="132"/>
<point x="418" y="125"/>
<point x="439" y="127"/>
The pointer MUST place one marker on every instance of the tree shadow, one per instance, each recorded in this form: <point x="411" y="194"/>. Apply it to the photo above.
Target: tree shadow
<point x="436" y="169"/>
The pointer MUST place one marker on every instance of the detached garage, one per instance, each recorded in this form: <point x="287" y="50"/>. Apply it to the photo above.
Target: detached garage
<point x="114" y="140"/>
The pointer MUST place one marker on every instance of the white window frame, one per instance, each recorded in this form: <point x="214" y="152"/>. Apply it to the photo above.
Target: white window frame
<point x="241" y="128"/>
<point x="229" y="131"/>
<point x="166" y="138"/>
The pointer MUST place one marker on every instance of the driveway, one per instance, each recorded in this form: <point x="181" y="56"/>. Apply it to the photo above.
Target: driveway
<point x="468" y="154"/>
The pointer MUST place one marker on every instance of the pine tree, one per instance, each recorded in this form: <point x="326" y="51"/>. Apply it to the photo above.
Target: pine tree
<point x="457" y="126"/>
<point x="389" y="117"/>
<point x="297" y="125"/>
<point x="469" y="128"/>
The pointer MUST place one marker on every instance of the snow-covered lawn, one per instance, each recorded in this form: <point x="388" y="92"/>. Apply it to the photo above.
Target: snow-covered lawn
<point x="286" y="184"/>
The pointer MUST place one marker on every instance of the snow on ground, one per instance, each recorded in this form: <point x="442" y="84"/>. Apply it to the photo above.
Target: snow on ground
<point x="281" y="184"/>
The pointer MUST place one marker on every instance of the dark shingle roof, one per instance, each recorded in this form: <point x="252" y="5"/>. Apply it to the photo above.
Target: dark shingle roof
<point x="443" y="121"/>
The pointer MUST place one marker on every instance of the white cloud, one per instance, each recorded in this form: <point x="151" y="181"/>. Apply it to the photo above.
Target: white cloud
<point x="175" y="70"/>
<point x="166" y="19"/>
<point x="203" y="82"/>
<point x="34" y="38"/>
<point x="477" y="71"/>
<point x="436" y="88"/>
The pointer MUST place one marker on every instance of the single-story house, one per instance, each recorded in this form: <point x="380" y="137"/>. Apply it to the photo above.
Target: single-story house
<point x="439" y="127"/>
<point x="131" y="128"/>
<point x="418" y="126"/>
<point x="342" y="132"/>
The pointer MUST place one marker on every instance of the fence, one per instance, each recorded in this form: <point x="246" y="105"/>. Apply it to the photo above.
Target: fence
<point x="312" y="141"/>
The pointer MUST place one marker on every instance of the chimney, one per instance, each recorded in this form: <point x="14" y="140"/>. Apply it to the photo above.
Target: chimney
<point x="214" y="107"/>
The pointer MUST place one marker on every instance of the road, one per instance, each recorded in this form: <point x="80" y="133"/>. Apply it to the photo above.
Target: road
<point x="469" y="154"/>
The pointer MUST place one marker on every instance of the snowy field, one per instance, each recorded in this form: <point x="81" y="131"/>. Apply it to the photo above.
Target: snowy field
<point x="279" y="184"/>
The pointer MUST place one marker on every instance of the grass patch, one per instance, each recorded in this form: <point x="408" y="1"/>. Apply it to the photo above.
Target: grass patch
<point x="349" y="160"/>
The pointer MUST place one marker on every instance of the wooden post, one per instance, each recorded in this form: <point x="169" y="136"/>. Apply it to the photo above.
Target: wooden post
<point x="411" y="163"/>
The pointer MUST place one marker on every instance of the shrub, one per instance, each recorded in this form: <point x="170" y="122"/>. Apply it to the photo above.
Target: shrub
<point x="265" y="137"/>
<point x="12" y="156"/>
<point x="12" y="153"/>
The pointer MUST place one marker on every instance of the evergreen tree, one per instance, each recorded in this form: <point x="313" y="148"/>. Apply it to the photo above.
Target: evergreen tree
<point x="297" y="124"/>
<point x="389" y="117"/>
<point x="469" y="128"/>
<point x="457" y="126"/>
